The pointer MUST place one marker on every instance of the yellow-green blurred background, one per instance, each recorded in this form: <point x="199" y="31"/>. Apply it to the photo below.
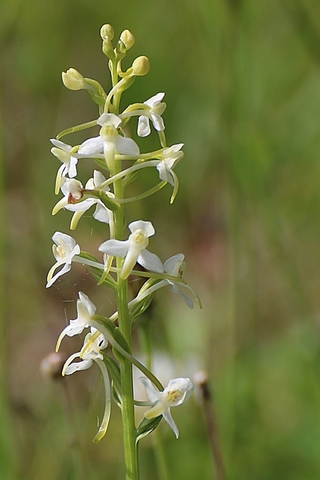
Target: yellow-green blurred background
<point x="242" y="83"/>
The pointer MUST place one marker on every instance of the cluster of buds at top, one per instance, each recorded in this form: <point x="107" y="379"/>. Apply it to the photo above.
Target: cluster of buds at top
<point x="105" y="192"/>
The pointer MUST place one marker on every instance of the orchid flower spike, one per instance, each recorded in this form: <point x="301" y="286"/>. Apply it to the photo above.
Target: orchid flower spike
<point x="109" y="141"/>
<point x="64" y="153"/>
<point x="85" y="309"/>
<point x="177" y="392"/>
<point x="154" y="110"/>
<point x="101" y="213"/>
<point x="64" y="249"/>
<point x="134" y="249"/>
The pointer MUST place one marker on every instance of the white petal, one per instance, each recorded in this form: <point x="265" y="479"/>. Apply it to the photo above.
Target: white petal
<point x="74" y="367"/>
<point x="172" y="265"/>
<point x="81" y="206"/>
<point x="72" y="169"/>
<point x="102" y="213"/>
<point x="178" y="391"/>
<point x="60" y="238"/>
<point x="146" y="227"/>
<point x="126" y="146"/>
<point x="109" y="119"/>
<point x="164" y="173"/>
<point x="143" y="129"/>
<point x="115" y="247"/>
<point x="157" y="122"/>
<point x="152" y="393"/>
<point x="91" y="146"/>
<point x="63" y="146"/>
<point x="154" y="100"/>
<point x="61" y="272"/>
<point x="150" y="261"/>
<point x="168" y="418"/>
<point x="89" y="306"/>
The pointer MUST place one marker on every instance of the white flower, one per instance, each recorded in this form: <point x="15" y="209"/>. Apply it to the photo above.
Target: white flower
<point x="93" y="343"/>
<point x="101" y="213"/>
<point x="170" y="156"/>
<point x="69" y="161"/>
<point x="153" y="112"/>
<point x="174" y="267"/>
<point x="73" y="192"/>
<point x="64" y="250"/>
<point x="85" y="309"/>
<point x="134" y="249"/>
<point x="109" y="141"/>
<point x="177" y="392"/>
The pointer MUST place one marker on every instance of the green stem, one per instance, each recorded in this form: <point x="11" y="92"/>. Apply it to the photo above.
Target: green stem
<point x="128" y="425"/>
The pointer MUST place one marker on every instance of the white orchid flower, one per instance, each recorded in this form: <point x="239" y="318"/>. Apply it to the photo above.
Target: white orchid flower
<point x="170" y="157"/>
<point x="177" y="392"/>
<point x="64" y="250"/>
<point x="153" y="112"/>
<point x="65" y="154"/>
<point x="73" y="192"/>
<point x="90" y="352"/>
<point x="109" y="141"/>
<point x="101" y="213"/>
<point x="85" y="309"/>
<point x="134" y="249"/>
<point x="174" y="267"/>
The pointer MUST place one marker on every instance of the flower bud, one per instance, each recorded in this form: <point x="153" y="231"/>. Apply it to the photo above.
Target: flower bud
<point x="141" y="66"/>
<point x="73" y="80"/>
<point x="107" y="31"/>
<point x="51" y="365"/>
<point x="127" y="39"/>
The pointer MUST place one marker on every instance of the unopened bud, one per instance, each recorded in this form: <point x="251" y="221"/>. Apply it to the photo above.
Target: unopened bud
<point x="107" y="31"/>
<point x="141" y="66"/>
<point x="127" y="39"/>
<point x="51" y="365"/>
<point x="73" y="80"/>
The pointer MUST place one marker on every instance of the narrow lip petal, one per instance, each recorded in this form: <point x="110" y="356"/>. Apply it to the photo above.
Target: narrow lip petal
<point x="168" y="418"/>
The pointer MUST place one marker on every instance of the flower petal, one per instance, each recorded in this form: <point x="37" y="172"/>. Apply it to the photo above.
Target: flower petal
<point x="150" y="261"/>
<point x="126" y="146"/>
<point x="91" y="146"/>
<point x="116" y="248"/>
<point x="143" y="129"/>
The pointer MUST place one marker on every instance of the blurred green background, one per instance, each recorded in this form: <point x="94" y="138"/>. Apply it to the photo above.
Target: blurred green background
<point x="242" y="83"/>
